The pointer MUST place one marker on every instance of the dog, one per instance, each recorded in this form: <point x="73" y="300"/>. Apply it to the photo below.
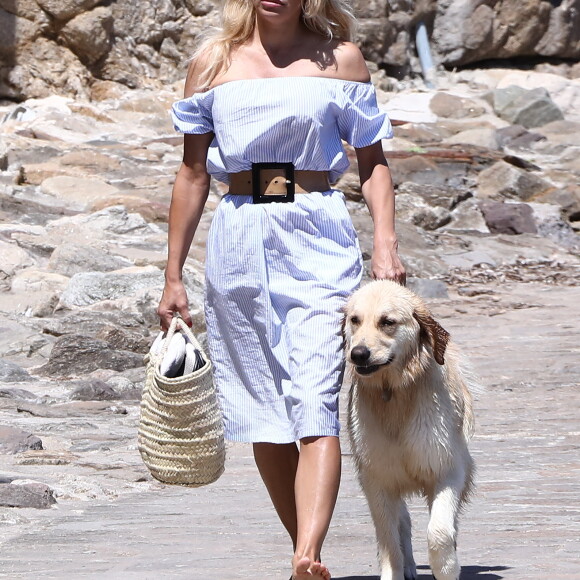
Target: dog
<point x="409" y="420"/>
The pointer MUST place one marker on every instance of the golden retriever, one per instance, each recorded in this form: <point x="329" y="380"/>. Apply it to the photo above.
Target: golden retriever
<point x="409" y="419"/>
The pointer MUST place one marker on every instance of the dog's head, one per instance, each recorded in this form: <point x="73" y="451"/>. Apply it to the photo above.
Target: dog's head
<point x="385" y="327"/>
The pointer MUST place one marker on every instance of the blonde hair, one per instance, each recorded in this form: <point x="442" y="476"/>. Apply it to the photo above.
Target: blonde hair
<point x="329" y="18"/>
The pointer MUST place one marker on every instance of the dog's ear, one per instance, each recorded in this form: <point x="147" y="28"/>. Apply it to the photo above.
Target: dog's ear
<point x="438" y="337"/>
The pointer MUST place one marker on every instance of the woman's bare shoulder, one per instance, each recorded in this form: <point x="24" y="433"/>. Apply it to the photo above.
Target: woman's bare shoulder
<point x="193" y="79"/>
<point x="350" y="63"/>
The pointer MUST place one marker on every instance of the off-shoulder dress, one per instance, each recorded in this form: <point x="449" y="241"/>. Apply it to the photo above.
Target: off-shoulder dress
<point x="278" y="274"/>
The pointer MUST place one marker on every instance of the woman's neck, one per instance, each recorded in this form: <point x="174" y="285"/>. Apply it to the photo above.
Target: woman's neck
<point x="280" y="38"/>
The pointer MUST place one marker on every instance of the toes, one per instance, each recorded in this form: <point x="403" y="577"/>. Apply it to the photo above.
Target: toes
<point x="319" y="570"/>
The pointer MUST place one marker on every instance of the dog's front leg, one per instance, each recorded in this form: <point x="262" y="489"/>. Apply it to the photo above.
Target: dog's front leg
<point x="385" y="510"/>
<point x="442" y="530"/>
<point x="406" y="544"/>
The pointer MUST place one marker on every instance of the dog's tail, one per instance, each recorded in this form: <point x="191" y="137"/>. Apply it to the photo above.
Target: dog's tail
<point x="472" y="388"/>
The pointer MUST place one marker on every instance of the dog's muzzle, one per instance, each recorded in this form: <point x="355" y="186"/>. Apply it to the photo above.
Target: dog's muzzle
<point x="360" y="356"/>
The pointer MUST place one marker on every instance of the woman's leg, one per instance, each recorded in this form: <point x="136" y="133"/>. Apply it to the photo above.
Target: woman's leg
<point x="316" y="489"/>
<point x="277" y="464"/>
<point x="303" y="487"/>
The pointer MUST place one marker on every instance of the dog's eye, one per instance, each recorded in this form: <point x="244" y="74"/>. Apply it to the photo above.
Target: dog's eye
<point x="386" y="321"/>
<point x="354" y="320"/>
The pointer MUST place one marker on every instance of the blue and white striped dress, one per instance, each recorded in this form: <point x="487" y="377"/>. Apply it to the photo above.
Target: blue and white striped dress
<point x="278" y="274"/>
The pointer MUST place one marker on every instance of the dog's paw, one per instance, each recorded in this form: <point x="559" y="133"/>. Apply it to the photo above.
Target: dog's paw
<point x="410" y="570"/>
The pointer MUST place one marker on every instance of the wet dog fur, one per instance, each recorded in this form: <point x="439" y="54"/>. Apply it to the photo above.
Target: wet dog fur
<point x="410" y="419"/>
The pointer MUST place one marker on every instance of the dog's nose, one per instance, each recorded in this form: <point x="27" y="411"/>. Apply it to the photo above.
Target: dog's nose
<point x="360" y="355"/>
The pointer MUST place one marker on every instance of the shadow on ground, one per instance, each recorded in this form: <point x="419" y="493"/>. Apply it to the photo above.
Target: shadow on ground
<point x="467" y="573"/>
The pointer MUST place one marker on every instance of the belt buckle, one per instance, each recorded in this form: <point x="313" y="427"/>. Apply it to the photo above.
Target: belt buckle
<point x="257" y="195"/>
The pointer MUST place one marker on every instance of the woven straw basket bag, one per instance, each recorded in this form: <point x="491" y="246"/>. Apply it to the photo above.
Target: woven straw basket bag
<point x="181" y="438"/>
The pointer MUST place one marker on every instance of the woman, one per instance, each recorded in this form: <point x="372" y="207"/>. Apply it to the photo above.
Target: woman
<point x="280" y="83"/>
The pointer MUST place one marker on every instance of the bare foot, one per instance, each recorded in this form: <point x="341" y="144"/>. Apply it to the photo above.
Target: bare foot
<point x="307" y="570"/>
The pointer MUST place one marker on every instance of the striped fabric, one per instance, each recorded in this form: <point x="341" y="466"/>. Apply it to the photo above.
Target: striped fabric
<point x="287" y="119"/>
<point x="278" y="274"/>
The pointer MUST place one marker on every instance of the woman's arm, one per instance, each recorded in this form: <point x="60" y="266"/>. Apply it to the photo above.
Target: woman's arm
<point x="377" y="190"/>
<point x="188" y="199"/>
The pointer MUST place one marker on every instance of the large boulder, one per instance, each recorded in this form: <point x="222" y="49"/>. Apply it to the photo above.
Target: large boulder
<point x="529" y="108"/>
<point x="505" y="181"/>
<point x="89" y="35"/>
<point x="70" y="259"/>
<point x="508" y="218"/>
<point x="77" y="355"/>
<point x="467" y="31"/>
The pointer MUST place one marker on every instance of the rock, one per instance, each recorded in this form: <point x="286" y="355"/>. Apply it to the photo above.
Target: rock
<point x="102" y="90"/>
<point x="568" y="198"/>
<point x="508" y="218"/>
<point x="89" y="323"/>
<point x="558" y="135"/>
<point x="469" y="260"/>
<point x="81" y="192"/>
<point x="517" y="137"/>
<point x="32" y="280"/>
<point x="10" y="393"/>
<point x="91" y="287"/>
<point x="94" y="390"/>
<point x="89" y="35"/>
<point x="467" y="217"/>
<point x="127" y="389"/>
<point x="70" y="259"/>
<point x="63" y="11"/>
<point x="45" y="306"/>
<point x="529" y="108"/>
<point x="446" y="197"/>
<point x="26" y="494"/>
<point x="46" y="458"/>
<point x="36" y="173"/>
<point x="453" y="107"/>
<point x="504" y="181"/>
<point x="480" y="137"/>
<point x="469" y="31"/>
<point x="503" y="250"/>
<point x="564" y="92"/>
<point x="75" y="409"/>
<point x="12" y="259"/>
<point x="12" y="373"/>
<point x="550" y="224"/>
<point x="414" y="108"/>
<point x="416" y="169"/>
<point x="103" y="223"/>
<point x="121" y="338"/>
<point x="55" y="69"/>
<point x="414" y="210"/>
<point x="562" y="35"/>
<point x="75" y="354"/>
<point x="15" y="440"/>
<point x="427" y="288"/>
<point x="150" y="211"/>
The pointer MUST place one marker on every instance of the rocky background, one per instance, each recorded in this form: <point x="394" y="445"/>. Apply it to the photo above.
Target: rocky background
<point x="84" y="48"/>
<point x="486" y="168"/>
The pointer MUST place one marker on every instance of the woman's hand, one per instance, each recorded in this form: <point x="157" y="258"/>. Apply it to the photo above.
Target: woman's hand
<point x="386" y="265"/>
<point x="173" y="300"/>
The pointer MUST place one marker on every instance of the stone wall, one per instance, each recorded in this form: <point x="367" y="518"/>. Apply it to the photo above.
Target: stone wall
<point x="70" y="46"/>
